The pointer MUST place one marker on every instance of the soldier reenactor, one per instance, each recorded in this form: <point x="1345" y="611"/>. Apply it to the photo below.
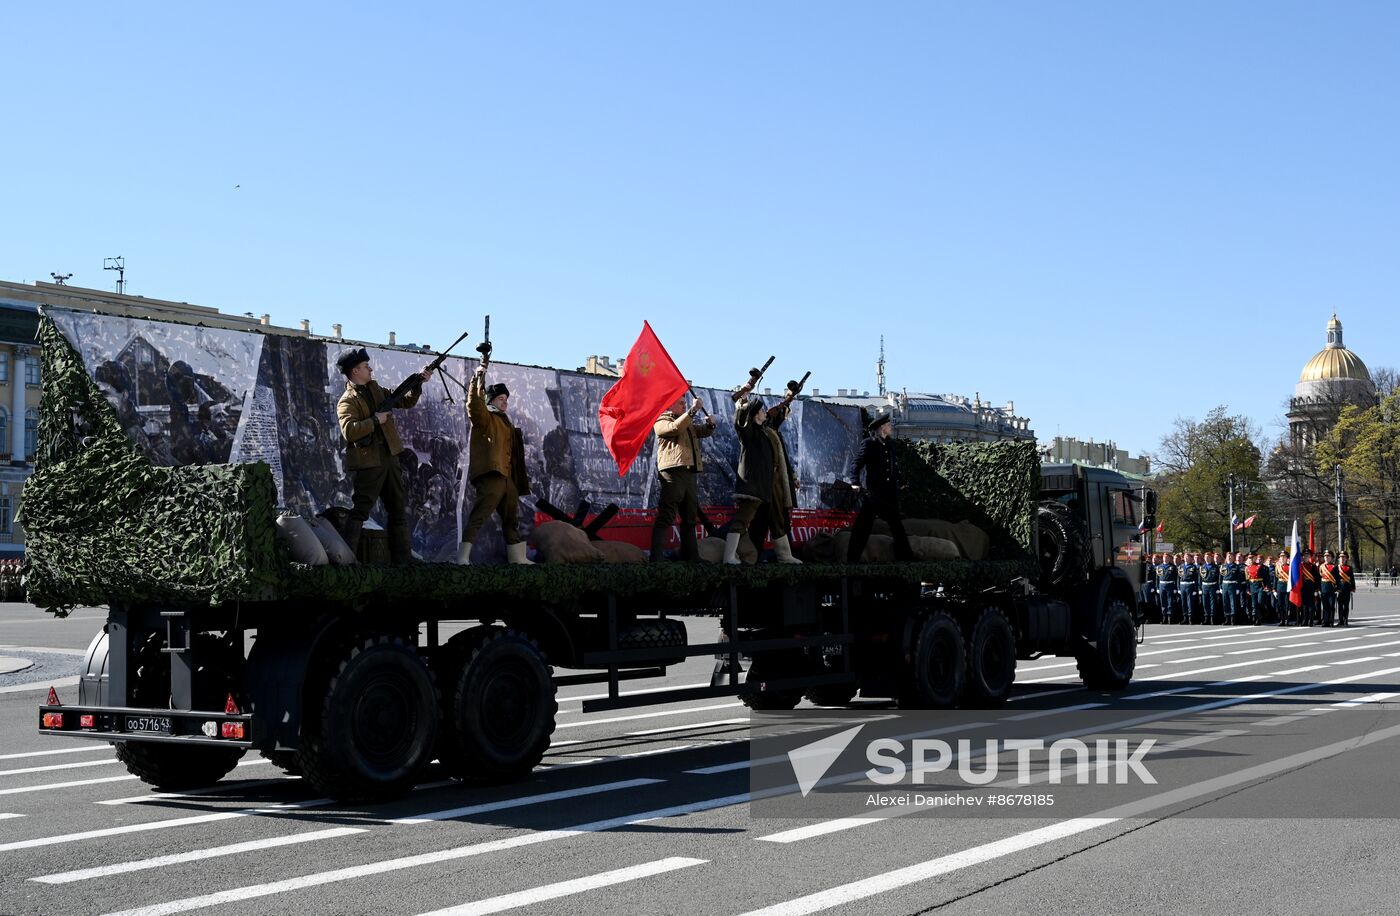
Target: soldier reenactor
<point x="1149" y="583"/>
<point x="1188" y="582"/>
<point x="678" y="465"/>
<point x="1210" y="586"/>
<point x="496" y="468"/>
<point x="1282" y="602"/>
<point x="1327" y="588"/>
<point x="1266" y="572"/>
<point x="1346" y="584"/>
<point x="879" y="491"/>
<point x="764" y="482"/>
<point x="1166" y="588"/>
<point x="777" y="515"/>
<point x="1254" y="579"/>
<point x="372" y="452"/>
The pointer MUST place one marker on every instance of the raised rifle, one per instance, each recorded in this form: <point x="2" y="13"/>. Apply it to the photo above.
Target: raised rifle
<point x="484" y="348"/>
<point x="794" y="388"/>
<point x="415" y="381"/>
<point x="755" y="376"/>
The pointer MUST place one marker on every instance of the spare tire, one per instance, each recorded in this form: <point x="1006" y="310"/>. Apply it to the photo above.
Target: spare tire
<point x="1064" y="550"/>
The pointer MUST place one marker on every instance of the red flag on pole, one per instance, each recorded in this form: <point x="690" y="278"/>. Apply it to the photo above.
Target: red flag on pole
<point x="1311" y="546"/>
<point x="650" y="383"/>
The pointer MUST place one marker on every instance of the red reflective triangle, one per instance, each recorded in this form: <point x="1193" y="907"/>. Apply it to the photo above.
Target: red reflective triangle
<point x="230" y="707"/>
<point x="53" y="698"/>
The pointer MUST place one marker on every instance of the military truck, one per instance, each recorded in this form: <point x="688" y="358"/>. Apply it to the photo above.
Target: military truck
<point x="216" y="643"/>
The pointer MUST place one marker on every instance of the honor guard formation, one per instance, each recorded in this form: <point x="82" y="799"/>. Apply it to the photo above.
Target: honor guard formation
<point x="1250" y="588"/>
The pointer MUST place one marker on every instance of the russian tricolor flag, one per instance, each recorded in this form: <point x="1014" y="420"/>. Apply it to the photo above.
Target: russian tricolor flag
<point x="1295" y="568"/>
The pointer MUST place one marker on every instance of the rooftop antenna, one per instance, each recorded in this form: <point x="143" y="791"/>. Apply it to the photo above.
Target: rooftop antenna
<point x="119" y="265"/>
<point x="880" y="367"/>
<point x="59" y="279"/>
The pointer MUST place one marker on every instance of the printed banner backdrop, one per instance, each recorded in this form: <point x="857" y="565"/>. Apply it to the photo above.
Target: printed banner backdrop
<point x="193" y="395"/>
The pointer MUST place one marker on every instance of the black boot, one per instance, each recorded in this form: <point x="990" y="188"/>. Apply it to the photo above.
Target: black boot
<point x="658" y="544"/>
<point x="351" y="533"/>
<point x="401" y="546"/>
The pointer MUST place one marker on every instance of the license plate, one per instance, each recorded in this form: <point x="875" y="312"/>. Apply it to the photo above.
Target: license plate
<point x="158" y="724"/>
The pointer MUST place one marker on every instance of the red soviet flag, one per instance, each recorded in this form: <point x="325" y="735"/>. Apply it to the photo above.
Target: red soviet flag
<point x="650" y="383"/>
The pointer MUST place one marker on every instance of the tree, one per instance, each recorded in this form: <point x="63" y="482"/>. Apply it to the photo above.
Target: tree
<point x="1197" y="460"/>
<point x="1366" y="443"/>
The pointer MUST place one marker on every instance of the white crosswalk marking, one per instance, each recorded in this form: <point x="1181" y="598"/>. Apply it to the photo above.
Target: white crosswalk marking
<point x="568" y="888"/>
<point x="87" y="749"/>
<point x="524" y="801"/>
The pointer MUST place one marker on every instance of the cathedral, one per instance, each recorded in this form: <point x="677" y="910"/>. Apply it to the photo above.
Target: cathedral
<point x="1332" y="379"/>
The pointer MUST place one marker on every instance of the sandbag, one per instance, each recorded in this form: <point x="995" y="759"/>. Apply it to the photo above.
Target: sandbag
<point x="618" y="552"/>
<point x="878" y="549"/>
<point x="972" y="542"/>
<point x="711" y="550"/>
<point x="931" y="548"/>
<point x="337" y="551"/>
<point x="560" y="542"/>
<point x="301" y="541"/>
<point x="820" y="548"/>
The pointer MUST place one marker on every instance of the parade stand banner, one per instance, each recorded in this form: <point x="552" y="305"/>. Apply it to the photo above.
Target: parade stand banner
<point x="188" y="395"/>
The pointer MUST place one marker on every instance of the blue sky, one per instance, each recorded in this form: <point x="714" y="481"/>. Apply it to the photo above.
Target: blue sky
<point x="1114" y="214"/>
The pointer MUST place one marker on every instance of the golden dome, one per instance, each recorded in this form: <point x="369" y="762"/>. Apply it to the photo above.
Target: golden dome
<point x="1335" y="363"/>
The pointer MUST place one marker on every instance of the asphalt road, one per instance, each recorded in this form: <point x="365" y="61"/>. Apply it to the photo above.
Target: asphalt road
<point x="1274" y="797"/>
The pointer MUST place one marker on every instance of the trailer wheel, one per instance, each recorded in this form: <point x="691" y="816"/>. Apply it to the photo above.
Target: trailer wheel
<point x="173" y="767"/>
<point x="375" y="730"/>
<point x="991" y="659"/>
<point x="1064" y="553"/>
<point x="1109" y="665"/>
<point x="937" y="666"/>
<point x="286" y="761"/>
<point x="662" y="633"/>
<point x="765" y="668"/>
<point x="503" y="709"/>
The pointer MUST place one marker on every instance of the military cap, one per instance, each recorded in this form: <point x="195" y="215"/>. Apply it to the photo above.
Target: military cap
<point x="496" y="390"/>
<point x="351" y="358"/>
<point x="880" y="420"/>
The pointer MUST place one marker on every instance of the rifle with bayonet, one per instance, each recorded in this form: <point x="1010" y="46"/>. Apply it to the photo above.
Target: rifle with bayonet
<point x="415" y="381"/>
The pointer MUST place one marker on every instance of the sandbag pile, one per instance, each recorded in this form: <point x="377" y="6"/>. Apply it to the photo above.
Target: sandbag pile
<point x="562" y="543"/>
<point x="929" y="538"/>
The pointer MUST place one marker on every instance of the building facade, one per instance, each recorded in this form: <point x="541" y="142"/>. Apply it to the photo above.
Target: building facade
<point x="1069" y="450"/>
<point x="942" y="418"/>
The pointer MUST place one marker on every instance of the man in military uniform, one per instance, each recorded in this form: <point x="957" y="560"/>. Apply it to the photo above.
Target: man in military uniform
<point x="678" y="465"/>
<point x="1188" y="580"/>
<point x="1149" y="583"/>
<point x="1282" y="603"/>
<point x="1166" y="588"/>
<point x="876" y="473"/>
<point x="1254" y="578"/>
<point x="1266" y="573"/>
<point x="372" y="452"/>
<point x="1346" y="584"/>
<point x="1210" y="586"/>
<point x="1327" y="588"/>
<point x="1309" y="572"/>
<point x="496" y="468"/>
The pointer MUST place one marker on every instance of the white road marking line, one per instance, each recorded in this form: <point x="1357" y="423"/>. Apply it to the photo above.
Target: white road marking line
<point x="1299" y="645"/>
<point x="21" y="790"/>
<point x="210" y="792"/>
<point x="660" y="750"/>
<point x="317" y="879"/>
<point x="650" y="715"/>
<point x="67" y="750"/>
<point x="923" y="871"/>
<point x="566" y="743"/>
<point x="521" y="802"/>
<point x="681" y="728"/>
<point x="633" y="693"/>
<point x="1282" y="658"/>
<point x="1041" y="693"/>
<point x="1251" y="651"/>
<point x="5" y="817"/>
<point x="59" y="766"/>
<point x="568" y="888"/>
<point x="1353" y="661"/>
<point x="1042" y="713"/>
<point x="160" y="825"/>
<point x="1198" y="658"/>
<point x="1305" y="668"/>
<point x="1345" y="639"/>
<point x="782" y="758"/>
<point x="196" y="855"/>
<point x="582" y="761"/>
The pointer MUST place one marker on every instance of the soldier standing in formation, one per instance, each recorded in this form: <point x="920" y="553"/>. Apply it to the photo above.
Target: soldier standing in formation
<point x="1166" y="588"/>
<point x="1282" y="604"/>
<point x="1327" y="588"/>
<point x="1188" y="580"/>
<point x="876" y="474"/>
<point x="1346" y="584"/>
<point x="1309" y="573"/>
<point x="1210" y="587"/>
<point x="1266" y="572"/>
<point x="678" y="465"/>
<point x="1149" y="582"/>
<point x="496" y="469"/>
<point x="1229" y="595"/>
<point x="1254" y="578"/>
<point x="372" y="452"/>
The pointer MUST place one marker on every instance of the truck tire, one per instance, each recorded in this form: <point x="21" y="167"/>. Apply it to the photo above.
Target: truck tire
<point x="991" y="660"/>
<point x="286" y="761"/>
<point x="1109" y="665"/>
<point x="502" y="710"/>
<point x="1064" y="552"/>
<point x="841" y="695"/>
<point x="662" y="633"/>
<point x="762" y="669"/>
<point x="937" y="672"/>
<point x="173" y="767"/>
<point x="375" y="730"/>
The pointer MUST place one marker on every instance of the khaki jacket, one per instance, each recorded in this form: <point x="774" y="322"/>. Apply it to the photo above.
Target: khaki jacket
<point x="678" y="441"/>
<point x="363" y="434"/>
<point x="496" y="445"/>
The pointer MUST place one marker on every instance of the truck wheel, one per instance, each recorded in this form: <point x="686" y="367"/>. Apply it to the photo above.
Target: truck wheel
<point x="937" y="666"/>
<point x="286" y="761"/>
<point x="173" y="767"/>
<point x="832" y="696"/>
<point x="765" y="668"/>
<point x="662" y="633"/>
<point x="1063" y="550"/>
<point x="503" y="709"/>
<point x="991" y="660"/>
<point x="375" y="730"/>
<point x="1109" y="666"/>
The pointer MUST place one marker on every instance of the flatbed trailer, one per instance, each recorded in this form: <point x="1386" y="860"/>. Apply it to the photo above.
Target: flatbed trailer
<point x="348" y="682"/>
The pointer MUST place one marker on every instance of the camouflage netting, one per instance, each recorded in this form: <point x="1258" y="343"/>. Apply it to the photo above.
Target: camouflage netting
<point x="553" y="584"/>
<point x="102" y="523"/>
<point x="991" y="484"/>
